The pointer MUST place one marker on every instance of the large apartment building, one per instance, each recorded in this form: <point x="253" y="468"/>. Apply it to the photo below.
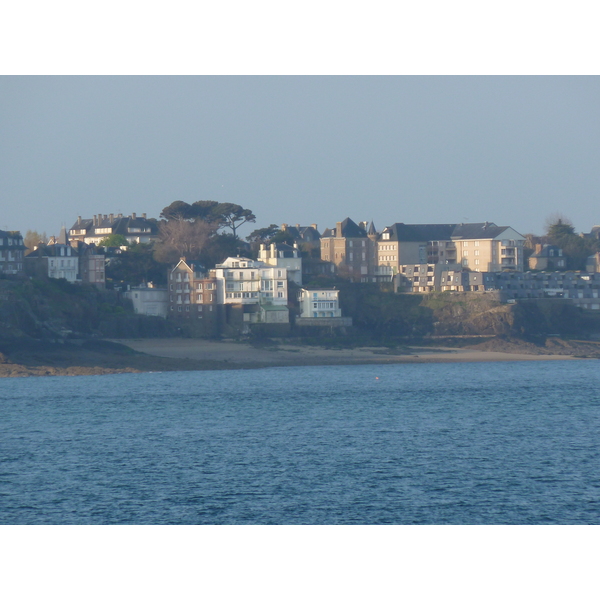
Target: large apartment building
<point x="483" y="247"/>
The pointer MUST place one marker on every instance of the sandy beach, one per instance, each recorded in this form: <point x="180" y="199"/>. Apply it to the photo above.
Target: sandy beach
<point x="244" y="355"/>
<point x="100" y="357"/>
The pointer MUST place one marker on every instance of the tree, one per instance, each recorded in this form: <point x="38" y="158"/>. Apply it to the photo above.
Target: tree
<point x="115" y="240"/>
<point x="177" y="210"/>
<point x="34" y="238"/>
<point x="234" y="216"/>
<point x="263" y="235"/>
<point x="561" y="233"/>
<point x="560" y="230"/>
<point x="136" y="266"/>
<point x="206" y="210"/>
<point x="180" y="238"/>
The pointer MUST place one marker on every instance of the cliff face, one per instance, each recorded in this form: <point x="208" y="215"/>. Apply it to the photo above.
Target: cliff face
<point x="470" y="314"/>
<point x="483" y="314"/>
<point x="55" y="309"/>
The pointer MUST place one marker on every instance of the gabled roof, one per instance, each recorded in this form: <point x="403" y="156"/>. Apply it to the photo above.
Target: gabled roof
<point x="193" y="265"/>
<point x="299" y="232"/>
<point x="118" y="225"/>
<point x="419" y="233"/>
<point x="477" y="231"/>
<point x="349" y="230"/>
<point x="288" y="251"/>
<point x="547" y="251"/>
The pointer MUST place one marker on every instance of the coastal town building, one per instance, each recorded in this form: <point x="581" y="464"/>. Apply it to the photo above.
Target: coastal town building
<point x="307" y="234"/>
<point x="351" y="248"/>
<point x="57" y="261"/>
<point x="320" y="307"/>
<point x="283" y="255"/>
<point x="483" y="247"/>
<point x="61" y="259"/>
<point x="12" y="251"/>
<point x="149" y="300"/>
<point x="192" y="291"/>
<point x="244" y="281"/>
<point x="547" y="258"/>
<point x="134" y="229"/>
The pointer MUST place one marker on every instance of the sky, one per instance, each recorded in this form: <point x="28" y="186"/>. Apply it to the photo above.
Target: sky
<point x="302" y="149"/>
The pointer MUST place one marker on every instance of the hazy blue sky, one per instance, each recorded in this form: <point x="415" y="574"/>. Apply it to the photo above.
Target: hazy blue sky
<point x="512" y="150"/>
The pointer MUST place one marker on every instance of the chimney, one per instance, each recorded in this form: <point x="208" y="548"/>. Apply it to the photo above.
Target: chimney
<point x="338" y="229"/>
<point x="144" y="216"/>
<point x="105" y="217"/>
<point x="111" y="217"/>
<point x="297" y="226"/>
<point x="133" y="215"/>
<point x="538" y="248"/>
<point x="120" y="215"/>
<point x="314" y="226"/>
<point x="78" y="220"/>
<point x="283" y="226"/>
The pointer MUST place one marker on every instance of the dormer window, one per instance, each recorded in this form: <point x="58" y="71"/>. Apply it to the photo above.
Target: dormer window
<point x="386" y="235"/>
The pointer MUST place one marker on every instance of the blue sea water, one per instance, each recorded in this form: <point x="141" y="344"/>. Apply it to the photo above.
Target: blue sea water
<point x="470" y="443"/>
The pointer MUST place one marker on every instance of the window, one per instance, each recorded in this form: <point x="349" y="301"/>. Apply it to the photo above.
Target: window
<point x="465" y="244"/>
<point x="476" y="252"/>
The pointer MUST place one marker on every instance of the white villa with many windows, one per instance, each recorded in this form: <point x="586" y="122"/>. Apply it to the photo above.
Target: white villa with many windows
<point x="246" y="281"/>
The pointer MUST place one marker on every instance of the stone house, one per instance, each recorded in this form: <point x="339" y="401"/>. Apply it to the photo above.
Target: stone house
<point x="547" y="258"/>
<point x="351" y="248"/>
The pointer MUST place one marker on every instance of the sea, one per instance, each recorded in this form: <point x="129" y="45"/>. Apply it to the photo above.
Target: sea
<point x="460" y="443"/>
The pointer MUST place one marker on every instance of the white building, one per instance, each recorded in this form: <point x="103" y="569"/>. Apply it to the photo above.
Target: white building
<point x="246" y="281"/>
<point x="149" y="300"/>
<point x="63" y="262"/>
<point x="319" y="303"/>
<point x="283" y="255"/>
<point x="320" y="307"/>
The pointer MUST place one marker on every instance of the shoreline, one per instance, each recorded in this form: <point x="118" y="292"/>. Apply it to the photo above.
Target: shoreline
<point x="103" y="357"/>
<point x="243" y="354"/>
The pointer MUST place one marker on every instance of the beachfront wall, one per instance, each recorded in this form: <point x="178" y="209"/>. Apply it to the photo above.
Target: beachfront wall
<point x="150" y="301"/>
